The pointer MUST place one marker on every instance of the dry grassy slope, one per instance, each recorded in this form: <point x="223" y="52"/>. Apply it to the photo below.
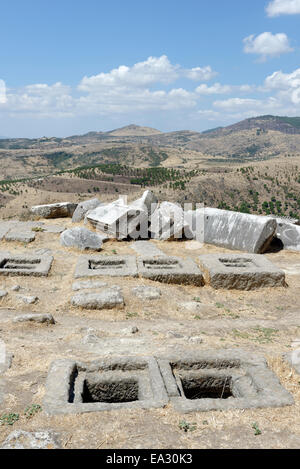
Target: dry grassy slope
<point x="273" y="156"/>
<point x="250" y="140"/>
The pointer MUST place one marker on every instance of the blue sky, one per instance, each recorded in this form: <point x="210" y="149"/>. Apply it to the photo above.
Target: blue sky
<point x="69" y="67"/>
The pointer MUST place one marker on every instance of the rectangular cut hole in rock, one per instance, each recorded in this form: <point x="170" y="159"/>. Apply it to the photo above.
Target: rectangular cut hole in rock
<point x="208" y="387"/>
<point x="110" y="391"/>
<point x="95" y="265"/>
<point x="161" y="264"/>
<point x="19" y="264"/>
<point x="239" y="262"/>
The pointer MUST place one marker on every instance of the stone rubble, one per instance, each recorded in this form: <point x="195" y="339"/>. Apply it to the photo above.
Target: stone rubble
<point x="58" y="210"/>
<point x="20" y="439"/>
<point x="82" y="239"/>
<point x="38" y="318"/>
<point x="105" y="299"/>
<point x="83" y="207"/>
<point x="146" y="218"/>
<point x="146" y="292"/>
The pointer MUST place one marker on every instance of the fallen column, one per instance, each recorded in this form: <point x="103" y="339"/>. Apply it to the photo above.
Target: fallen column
<point x="235" y="230"/>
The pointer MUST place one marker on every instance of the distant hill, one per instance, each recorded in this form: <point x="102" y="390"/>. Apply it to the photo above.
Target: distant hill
<point x="286" y="125"/>
<point x="254" y="139"/>
<point x="133" y="131"/>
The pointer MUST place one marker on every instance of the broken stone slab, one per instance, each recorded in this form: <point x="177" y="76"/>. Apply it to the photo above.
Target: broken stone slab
<point x="144" y="292"/>
<point x="106" y="299"/>
<point x="29" y="300"/>
<point x="5" y="226"/>
<point x="39" y="318"/>
<point x="88" y="285"/>
<point x="146" y="248"/>
<point x="238" y="231"/>
<point x="241" y="271"/>
<point x="170" y="270"/>
<point x="120" y="221"/>
<point x="53" y="229"/>
<point x="58" y="210"/>
<point x="289" y="234"/>
<point x="147" y="202"/>
<point x="82" y="239"/>
<point x="112" y="266"/>
<point x="20" y="439"/>
<point x="83" y="207"/>
<point x="168" y="222"/>
<point x="20" y="236"/>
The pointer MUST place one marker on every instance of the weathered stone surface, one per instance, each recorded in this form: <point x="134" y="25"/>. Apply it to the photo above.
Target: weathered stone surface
<point x="147" y="202"/>
<point x="5" y="360"/>
<point x="105" y="299"/>
<point x="81" y="238"/>
<point x="3" y="294"/>
<point x="38" y="318"/>
<point x="58" y="210"/>
<point x="112" y="266"/>
<point x="293" y="358"/>
<point x="20" y="439"/>
<point x="88" y="285"/>
<point x="145" y="292"/>
<point x="174" y="335"/>
<point x="20" y="236"/>
<point x="168" y="222"/>
<point x="241" y="271"/>
<point x="170" y="270"/>
<point x="240" y="231"/>
<point x="288" y="234"/>
<point x="53" y="229"/>
<point x="130" y="330"/>
<point x="195" y="221"/>
<point x="195" y="339"/>
<point x="234" y="379"/>
<point x="24" y="264"/>
<point x="110" y="384"/>
<point x="29" y="300"/>
<point x="146" y="248"/>
<point x="83" y="207"/>
<point x="5" y="226"/>
<point x="120" y="221"/>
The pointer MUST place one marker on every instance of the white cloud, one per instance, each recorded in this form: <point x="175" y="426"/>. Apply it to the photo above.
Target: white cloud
<point x="199" y="74"/>
<point x="287" y="85"/>
<point x="267" y="45"/>
<point x="283" y="7"/>
<point x="280" y="80"/>
<point x="237" y="103"/>
<point x="2" y="92"/>
<point x="216" y="88"/>
<point x="142" y="74"/>
<point x="144" y="90"/>
<point x="40" y="100"/>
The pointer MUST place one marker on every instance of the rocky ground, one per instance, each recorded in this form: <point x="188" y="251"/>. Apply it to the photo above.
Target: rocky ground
<point x="181" y="319"/>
